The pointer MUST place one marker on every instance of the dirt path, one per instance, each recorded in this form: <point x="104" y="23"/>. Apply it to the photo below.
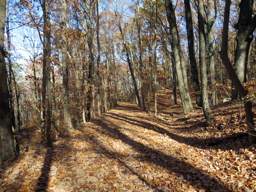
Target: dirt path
<point x="129" y="150"/>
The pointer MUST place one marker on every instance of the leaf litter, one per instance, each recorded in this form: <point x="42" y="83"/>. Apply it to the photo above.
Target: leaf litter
<point x="130" y="150"/>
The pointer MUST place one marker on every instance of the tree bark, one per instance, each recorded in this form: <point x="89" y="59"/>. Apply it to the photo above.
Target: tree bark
<point x="155" y="76"/>
<point x="90" y="77"/>
<point x="7" y="141"/>
<point x="130" y="65"/>
<point x="175" y="43"/>
<point x="191" y="51"/>
<point x="232" y="73"/>
<point x="10" y="77"/>
<point x="211" y="60"/>
<point x="99" y="85"/>
<point x="243" y="41"/>
<point x="174" y="79"/>
<point x="202" y="59"/>
<point x="46" y="84"/>
<point x="90" y="80"/>
<point x="67" y="118"/>
<point x="141" y="66"/>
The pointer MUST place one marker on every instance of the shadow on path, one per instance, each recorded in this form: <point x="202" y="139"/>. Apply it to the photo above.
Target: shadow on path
<point x="115" y="156"/>
<point x="235" y="141"/>
<point x="191" y="174"/>
<point x="43" y="180"/>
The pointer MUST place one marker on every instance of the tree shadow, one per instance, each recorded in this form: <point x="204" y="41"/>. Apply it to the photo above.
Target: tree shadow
<point x="43" y="180"/>
<point x="191" y="174"/>
<point x="10" y="163"/>
<point x="235" y="141"/>
<point x="227" y="109"/>
<point x="101" y="149"/>
<point x="191" y="126"/>
<point x="172" y="113"/>
<point x="15" y="185"/>
<point x="23" y="137"/>
<point x="128" y="107"/>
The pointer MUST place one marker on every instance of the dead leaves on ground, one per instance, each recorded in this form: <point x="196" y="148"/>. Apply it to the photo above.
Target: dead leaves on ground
<point x="133" y="151"/>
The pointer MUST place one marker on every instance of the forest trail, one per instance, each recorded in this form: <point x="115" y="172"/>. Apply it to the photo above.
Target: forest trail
<point x="68" y="62"/>
<point x="130" y="150"/>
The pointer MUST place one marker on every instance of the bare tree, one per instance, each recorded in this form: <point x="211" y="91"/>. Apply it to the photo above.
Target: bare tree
<point x="203" y="53"/>
<point x="90" y="77"/>
<point x="46" y="84"/>
<point x="191" y="51"/>
<point x="67" y="119"/>
<point x="179" y="61"/>
<point x="130" y="64"/>
<point x="232" y="74"/>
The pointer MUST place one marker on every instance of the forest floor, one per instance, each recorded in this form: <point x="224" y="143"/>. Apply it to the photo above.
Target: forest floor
<point x="130" y="150"/>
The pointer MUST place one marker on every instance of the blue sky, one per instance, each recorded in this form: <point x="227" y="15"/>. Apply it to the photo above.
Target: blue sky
<point x="21" y="45"/>
<point x="21" y="49"/>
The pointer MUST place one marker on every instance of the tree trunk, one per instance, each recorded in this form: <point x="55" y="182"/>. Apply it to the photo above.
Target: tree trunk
<point x="243" y="41"/>
<point x="191" y="51"/>
<point x="166" y="64"/>
<point x="66" y="116"/>
<point x="114" y="97"/>
<point x="232" y="73"/>
<point x="169" y="60"/>
<point x="89" y="98"/>
<point x="98" y="80"/>
<point x="46" y="84"/>
<point x="155" y="77"/>
<point x="174" y="80"/>
<point x="17" y="96"/>
<point x="141" y="66"/>
<point x="202" y="60"/>
<point x="11" y="78"/>
<point x="7" y="140"/>
<point x="211" y="60"/>
<point x="37" y="91"/>
<point x="175" y="43"/>
<point x="130" y="65"/>
<point x="90" y="77"/>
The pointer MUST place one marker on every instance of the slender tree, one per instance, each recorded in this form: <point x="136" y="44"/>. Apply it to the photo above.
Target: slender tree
<point x="178" y="58"/>
<point x="46" y="84"/>
<point x="90" y="76"/>
<point x="191" y="51"/>
<point x="141" y="65"/>
<point x="212" y="67"/>
<point x="203" y="31"/>
<point x="99" y="90"/>
<point x="67" y="119"/>
<point x="130" y="64"/>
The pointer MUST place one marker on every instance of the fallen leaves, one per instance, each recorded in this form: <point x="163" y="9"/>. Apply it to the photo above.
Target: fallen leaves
<point x="133" y="151"/>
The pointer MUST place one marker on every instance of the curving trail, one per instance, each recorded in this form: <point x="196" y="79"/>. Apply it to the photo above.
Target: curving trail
<point x="130" y="150"/>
